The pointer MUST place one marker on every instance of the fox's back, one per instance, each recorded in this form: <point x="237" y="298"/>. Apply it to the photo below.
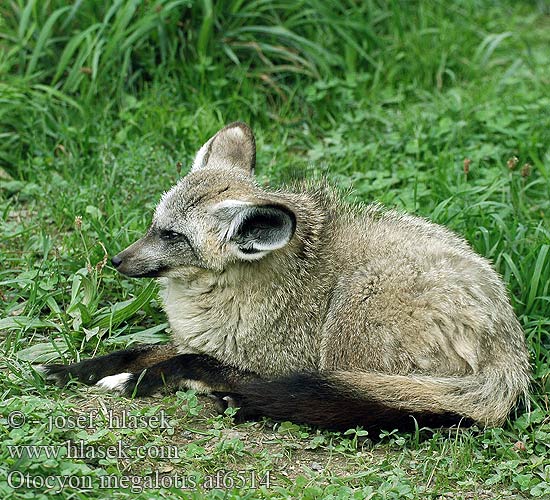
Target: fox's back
<point x="416" y="298"/>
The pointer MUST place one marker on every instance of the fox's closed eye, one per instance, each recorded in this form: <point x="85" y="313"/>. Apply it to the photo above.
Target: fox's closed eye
<point x="168" y="235"/>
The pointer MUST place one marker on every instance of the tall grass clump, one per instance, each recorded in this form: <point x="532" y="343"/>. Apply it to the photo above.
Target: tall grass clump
<point x="82" y="47"/>
<point x="87" y="55"/>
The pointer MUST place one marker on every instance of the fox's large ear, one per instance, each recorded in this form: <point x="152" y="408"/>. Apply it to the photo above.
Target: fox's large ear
<point x="251" y="230"/>
<point x="232" y="147"/>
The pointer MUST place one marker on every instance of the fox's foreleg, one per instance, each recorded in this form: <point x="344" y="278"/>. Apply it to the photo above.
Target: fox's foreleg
<point x="142" y="371"/>
<point x="191" y="371"/>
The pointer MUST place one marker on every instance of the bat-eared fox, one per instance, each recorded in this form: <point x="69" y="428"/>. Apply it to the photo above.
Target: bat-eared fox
<point x="293" y="305"/>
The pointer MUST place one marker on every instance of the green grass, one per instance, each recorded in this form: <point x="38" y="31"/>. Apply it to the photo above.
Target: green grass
<point x="101" y="104"/>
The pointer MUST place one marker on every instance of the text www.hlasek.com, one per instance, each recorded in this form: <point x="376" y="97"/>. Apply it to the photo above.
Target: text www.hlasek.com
<point x="79" y="450"/>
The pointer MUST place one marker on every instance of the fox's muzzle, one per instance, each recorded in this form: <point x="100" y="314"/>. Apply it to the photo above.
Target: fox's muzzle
<point x="138" y="260"/>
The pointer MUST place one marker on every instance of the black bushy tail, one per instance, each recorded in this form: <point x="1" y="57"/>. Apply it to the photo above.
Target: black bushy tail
<point x="325" y="401"/>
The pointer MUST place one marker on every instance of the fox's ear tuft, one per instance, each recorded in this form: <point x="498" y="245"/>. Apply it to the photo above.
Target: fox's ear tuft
<point x="232" y="147"/>
<point x="252" y="231"/>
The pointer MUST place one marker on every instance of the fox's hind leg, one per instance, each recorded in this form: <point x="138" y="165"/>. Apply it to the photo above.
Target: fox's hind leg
<point x="90" y="371"/>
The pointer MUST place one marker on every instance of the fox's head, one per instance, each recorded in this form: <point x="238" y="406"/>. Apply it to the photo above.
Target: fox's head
<point x="215" y="216"/>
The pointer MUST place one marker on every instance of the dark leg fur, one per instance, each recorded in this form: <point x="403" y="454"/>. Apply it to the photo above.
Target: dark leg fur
<point x="151" y="368"/>
<point x="173" y="372"/>
<point x="313" y="399"/>
<point x="90" y="371"/>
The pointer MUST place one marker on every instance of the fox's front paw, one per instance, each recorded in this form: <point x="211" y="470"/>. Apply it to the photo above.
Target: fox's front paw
<point x="58" y="374"/>
<point x="86" y="372"/>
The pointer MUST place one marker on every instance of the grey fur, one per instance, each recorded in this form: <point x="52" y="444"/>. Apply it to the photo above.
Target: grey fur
<point x="380" y="300"/>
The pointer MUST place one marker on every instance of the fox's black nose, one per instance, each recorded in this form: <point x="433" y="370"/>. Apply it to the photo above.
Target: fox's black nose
<point x="116" y="261"/>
